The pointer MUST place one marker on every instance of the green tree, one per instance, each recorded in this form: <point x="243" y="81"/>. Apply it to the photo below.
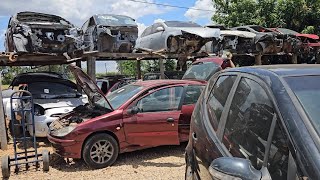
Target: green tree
<point x="298" y="15"/>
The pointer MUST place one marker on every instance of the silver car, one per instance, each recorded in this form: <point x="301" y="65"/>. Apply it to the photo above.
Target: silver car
<point x="176" y="37"/>
<point x="53" y="95"/>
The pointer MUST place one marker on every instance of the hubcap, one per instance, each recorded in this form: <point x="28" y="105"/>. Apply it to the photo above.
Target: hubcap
<point x="101" y="151"/>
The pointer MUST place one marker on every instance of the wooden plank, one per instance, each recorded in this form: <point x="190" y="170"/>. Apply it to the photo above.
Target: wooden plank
<point x="161" y="69"/>
<point x="139" y="69"/>
<point x="258" y="59"/>
<point x="91" y="67"/>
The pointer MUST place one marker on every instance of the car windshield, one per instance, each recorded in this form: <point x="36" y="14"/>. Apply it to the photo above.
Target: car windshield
<point x="122" y="95"/>
<point x="113" y="20"/>
<point x="181" y="24"/>
<point x="201" y="71"/>
<point x="306" y="89"/>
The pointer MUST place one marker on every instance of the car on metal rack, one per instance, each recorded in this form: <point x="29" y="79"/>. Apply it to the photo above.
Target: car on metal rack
<point x="257" y="123"/>
<point x="140" y="115"/>
<point x="32" y="32"/>
<point x="110" y="33"/>
<point x="176" y="37"/>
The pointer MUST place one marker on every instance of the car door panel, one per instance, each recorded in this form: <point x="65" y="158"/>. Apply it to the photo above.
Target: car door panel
<point x="153" y="129"/>
<point x="156" y="123"/>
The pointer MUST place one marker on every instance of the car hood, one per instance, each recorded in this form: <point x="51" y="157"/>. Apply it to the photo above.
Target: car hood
<point x="243" y="34"/>
<point x="311" y="36"/>
<point x="200" y="31"/>
<point x="89" y="86"/>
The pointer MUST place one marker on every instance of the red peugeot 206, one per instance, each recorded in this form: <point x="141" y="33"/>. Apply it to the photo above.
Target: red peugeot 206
<point x="140" y="115"/>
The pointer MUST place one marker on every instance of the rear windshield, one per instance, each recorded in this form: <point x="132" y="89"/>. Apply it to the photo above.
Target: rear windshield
<point x="181" y="24"/>
<point x="201" y="71"/>
<point x="52" y="90"/>
<point x="114" y="20"/>
<point x="306" y="89"/>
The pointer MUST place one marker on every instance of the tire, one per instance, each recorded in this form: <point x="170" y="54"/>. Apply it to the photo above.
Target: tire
<point x="45" y="158"/>
<point x="5" y="166"/>
<point x="100" y="150"/>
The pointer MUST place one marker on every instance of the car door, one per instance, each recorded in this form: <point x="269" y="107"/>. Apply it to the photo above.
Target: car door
<point x="207" y="118"/>
<point x="157" y="37"/>
<point x="144" y="40"/>
<point x="190" y="97"/>
<point x="156" y="122"/>
<point x="251" y="129"/>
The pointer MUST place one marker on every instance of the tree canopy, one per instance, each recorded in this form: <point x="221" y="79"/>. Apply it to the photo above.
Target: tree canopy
<point x="299" y="15"/>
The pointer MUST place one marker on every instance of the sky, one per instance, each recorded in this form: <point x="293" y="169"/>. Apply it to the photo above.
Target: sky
<point x="78" y="11"/>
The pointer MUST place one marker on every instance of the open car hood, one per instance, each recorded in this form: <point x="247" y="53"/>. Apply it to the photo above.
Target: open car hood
<point x="243" y="34"/>
<point x="203" y="32"/>
<point x="89" y="86"/>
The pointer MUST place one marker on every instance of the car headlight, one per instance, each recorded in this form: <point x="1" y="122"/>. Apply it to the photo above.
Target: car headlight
<point x="62" y="131"/>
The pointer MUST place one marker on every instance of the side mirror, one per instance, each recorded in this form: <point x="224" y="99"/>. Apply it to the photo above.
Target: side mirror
<point x="233" y="168"/>
<point x="133" y="110"/>
<point x="160" y="28"/>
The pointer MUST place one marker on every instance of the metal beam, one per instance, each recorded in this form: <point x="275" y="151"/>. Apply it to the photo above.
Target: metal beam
<point x="3" y="130"/>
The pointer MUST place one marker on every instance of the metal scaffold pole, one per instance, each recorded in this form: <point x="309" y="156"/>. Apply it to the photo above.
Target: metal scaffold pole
<point x="3" y="131"/>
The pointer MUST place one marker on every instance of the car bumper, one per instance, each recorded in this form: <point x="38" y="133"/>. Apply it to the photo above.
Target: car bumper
<point x="67" y="148"/>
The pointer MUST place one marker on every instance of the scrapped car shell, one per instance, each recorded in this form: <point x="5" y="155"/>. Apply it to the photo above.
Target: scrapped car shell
<point x="243" y="34"/>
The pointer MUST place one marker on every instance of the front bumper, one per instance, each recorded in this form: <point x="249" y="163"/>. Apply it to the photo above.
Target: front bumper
<point x="66" y="147"/>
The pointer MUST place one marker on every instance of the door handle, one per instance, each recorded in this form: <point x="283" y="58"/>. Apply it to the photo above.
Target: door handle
<point x="170" y="120"/>
<point x="194" y="136"/>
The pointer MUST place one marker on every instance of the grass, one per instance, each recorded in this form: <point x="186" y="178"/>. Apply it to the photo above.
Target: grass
<point x="4" y="86"/>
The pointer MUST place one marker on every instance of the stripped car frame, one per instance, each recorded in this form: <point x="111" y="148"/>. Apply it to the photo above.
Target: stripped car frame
<point x="32" y="32"/>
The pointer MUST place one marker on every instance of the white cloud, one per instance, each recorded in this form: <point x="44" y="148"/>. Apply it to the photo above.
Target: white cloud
<point x="141" y="28"/>
<point x="77" y="11"/>
<point x="2" y="35"/>
<point x="159" y="20"/>
<point x="196" y="14"/>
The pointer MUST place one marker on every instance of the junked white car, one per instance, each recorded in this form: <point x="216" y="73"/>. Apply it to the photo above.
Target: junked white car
<point x="52" y="94"/>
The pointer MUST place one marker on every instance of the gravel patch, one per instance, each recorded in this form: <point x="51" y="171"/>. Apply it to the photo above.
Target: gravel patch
<point x="165" y="162"/>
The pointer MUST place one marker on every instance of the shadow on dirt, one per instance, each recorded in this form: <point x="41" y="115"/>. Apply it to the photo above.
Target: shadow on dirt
<point x="135" y="159"/>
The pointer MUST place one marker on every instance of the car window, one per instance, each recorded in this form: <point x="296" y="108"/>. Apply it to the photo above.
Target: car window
<point x="91" y="22"/>
<point x="218" y="97"/>
<point x="147" y="31"/>
<point x="85" y="26"/>
<point x="248" y="122"/>
<point x="192" y="94"/>
<point x="243" y="29"/>
<point x="279" y="154"/>
<point x="167" y="99"/>
<point x="154" y="27"/>
<point x="201" y="71"/>
<point x="52" y="90"/>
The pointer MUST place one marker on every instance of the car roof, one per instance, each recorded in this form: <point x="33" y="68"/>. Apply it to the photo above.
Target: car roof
<point x="281" y="70"/>
<point x="216" y="59"/>
<point x="154" y="83"/>
<point x="115" y="15"/>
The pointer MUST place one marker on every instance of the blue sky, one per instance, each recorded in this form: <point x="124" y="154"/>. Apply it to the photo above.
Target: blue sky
<point x="77" y="11"/>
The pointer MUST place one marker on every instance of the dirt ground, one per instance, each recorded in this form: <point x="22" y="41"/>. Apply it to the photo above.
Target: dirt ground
<point x="166" y="162"/>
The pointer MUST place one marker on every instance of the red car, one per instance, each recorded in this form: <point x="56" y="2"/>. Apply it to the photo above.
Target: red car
<point x="140" y="115"/>
<point x="204" y="68"/>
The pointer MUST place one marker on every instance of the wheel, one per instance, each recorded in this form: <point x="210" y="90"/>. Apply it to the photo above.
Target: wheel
<point x="100" y="151"/>
<point x="5" y="166"/>
<point x="45" y="158"/>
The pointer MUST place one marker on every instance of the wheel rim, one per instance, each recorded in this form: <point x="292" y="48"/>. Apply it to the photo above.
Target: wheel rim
<point x="101" y="151"/>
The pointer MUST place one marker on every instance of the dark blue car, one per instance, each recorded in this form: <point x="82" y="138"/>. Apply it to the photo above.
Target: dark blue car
<point x="257" y="122"/>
